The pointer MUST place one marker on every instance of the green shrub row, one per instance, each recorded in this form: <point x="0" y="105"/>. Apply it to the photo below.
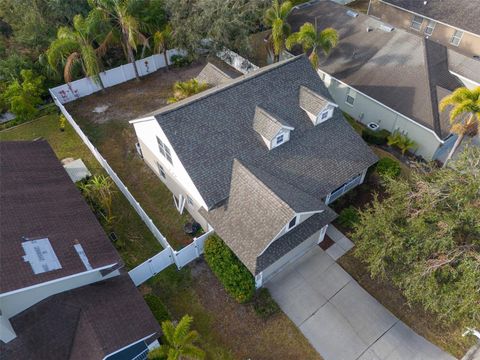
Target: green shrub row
<point x="235" y="277"/>
<point x="388" y="167"/>
<point x="375" y="137"/>
<point x="157" y="307"/>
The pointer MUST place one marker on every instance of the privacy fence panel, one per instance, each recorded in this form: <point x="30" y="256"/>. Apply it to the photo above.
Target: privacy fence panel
<point x="152" y="266"/>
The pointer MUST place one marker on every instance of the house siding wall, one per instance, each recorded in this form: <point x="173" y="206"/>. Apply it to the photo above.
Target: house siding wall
<point x="177" y="179"/>
<point x="367" y="110"/>
<point x="470" y="44"/>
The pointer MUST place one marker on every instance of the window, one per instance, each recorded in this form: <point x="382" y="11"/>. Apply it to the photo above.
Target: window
<point x="456" y="38"/>
<point x="430" y="27"/>
<point x="324" y="115"/>
<point x="161" y="171"/>
<point x="279" y="139"/>
<point x="351" y="94"/>
<point x="164" y="150"/>
<point x="292" y="223"/>
<point x="417" y="22"/>
<point x="189" y="200"/>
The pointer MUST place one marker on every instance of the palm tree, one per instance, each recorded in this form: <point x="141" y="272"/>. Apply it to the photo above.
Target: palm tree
<point x="310" y="39"/>
<point x="100" y="189"/>
<point x="118" y="13"/>
<point x="276" y="18"/>
<point x="77" y="46"/>
<point x="464" y="114"/>
<point x="184" y="89"/>
<point x="162" y="40"/>
<point x="179" y="342"/>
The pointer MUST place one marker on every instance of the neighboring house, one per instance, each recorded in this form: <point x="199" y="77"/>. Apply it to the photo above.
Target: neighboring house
<point x="63" y="294"/>
<point x="388" y="76"/>
<point x="258" y="159"/>
<point x="453" y="23"/>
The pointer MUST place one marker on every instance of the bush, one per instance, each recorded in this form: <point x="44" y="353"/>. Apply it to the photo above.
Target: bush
<point x="375" y="137"/>
<point x="401" y="141"/>
<point x="157" y="307"/>
<point x="179" y="60"/>
<point x="264" y="305"/>
<point x="388" y="167"/>
<point x="348" y="217"/>
<point x="235" y="277"/>
<point x="357" y="126"/>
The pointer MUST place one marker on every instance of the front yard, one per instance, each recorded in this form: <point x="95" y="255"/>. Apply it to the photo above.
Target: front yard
<point x="228" y="330"/>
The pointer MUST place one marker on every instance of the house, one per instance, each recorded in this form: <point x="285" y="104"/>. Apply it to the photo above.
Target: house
<point x="388" y="77"/>
<point x="453" y="23"/>
<point x="258" y="159"/>
<point x="63" y="292"/>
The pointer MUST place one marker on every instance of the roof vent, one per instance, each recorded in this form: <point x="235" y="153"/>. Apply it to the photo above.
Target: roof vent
<point x="39" y="253"/>
<point x="352" y="13"/>
<point x="386" y="28"/>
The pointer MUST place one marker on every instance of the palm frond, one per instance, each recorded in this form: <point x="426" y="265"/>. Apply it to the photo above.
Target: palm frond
<point x="168" y="330"/>
<point x="193" y="352"/>
<point x="328" y="39"/>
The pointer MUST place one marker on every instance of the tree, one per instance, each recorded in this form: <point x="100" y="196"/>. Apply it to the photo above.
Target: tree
<point x="212" y="25"/>
<point x="425" y="237"/>
<point x="76" y="46"/>
<point x="163" y="40"/>
<point x="276" y="18"/>
<point x="310" y="39"/>
<point x="184" y="89"/>
<point x="179" y="342"/>
<point x="464" y="107"/>
<point x="23" y="98"/>
<point x="120" y="14"/>
<point x="100" y="189"/>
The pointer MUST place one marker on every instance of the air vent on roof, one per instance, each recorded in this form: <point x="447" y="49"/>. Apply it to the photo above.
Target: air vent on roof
<point x="352" y="13"/>
<point x="386" y="28"/>
<point x="39" y="253"/>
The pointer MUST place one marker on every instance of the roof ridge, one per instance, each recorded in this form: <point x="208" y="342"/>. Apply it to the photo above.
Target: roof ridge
<point x="219" y="88"/>
<point x="217" y="69"/>
<point x="313" y="92"/>
<point x="432" y="90"/>
<point x="272" y="116"/>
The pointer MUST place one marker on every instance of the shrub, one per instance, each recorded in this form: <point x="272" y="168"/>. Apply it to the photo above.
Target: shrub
<point x="264" y="305"/>
<point x="388" y="167"/>
<point x="348" y="217"/>
<point x="401" y="141"/>
<point x="179" y="60"/>
<point x="157" y="307"/>
<point x="358" y="127"/>
<point x="375" y="137"/>
<point x="235" y="277"/>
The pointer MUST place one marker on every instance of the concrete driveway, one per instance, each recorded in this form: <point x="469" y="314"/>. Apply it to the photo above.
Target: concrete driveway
<point x="339" y="318"/>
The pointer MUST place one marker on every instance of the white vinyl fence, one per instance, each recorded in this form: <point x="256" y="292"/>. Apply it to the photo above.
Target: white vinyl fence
<point x="86" y="86"/>
<point x="167" y="257"/>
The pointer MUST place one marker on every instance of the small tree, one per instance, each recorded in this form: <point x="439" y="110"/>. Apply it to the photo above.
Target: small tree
<point x="310" y="39"/>
<point x="23" y="98"/>
<point x="100" y="188"/>
<point x="162" y="41"/>
<point x="179" y="342"/>
<point x="184" y="89"/>
<point x="464" y="107"/>
<point x="276" y="18"/>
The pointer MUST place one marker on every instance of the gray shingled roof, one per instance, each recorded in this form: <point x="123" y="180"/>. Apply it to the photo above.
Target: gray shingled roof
<point x="267" y="125"/>
<point x="391" y="67"/>
<point x="258" y="207"/>
<point x="462" y="14"/>
<point x="311" y="101"/>
<point x="210" y="129"/>
<point x="212" y="75"/>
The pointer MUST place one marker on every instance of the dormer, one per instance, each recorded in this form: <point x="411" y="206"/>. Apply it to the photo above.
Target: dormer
<point x="274" y="131"/>
<point x="318" y="108"/>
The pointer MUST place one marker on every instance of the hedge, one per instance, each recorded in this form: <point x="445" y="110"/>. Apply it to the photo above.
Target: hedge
<point x="375" y="137"/>
<point x="388" y="167"/>
<point x="157" y="307"/>
<point x="348" y="217"/>
<point x="235" y="277"/>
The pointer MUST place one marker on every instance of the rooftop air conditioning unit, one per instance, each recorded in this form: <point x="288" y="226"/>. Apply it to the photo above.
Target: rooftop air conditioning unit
<point x="386" y="28"/>
<point x="373" y="126"/>
<point x="352" y="13"/>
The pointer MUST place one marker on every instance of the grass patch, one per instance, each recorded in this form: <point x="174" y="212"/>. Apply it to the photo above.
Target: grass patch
<point x="135" y="242"/>
<point x="264" y="305"/>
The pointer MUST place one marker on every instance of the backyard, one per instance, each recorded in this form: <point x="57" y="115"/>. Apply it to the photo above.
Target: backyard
<point x="228" y="330"/>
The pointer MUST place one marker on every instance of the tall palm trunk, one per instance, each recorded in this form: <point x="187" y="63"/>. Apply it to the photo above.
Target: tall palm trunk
<point x="454" y="148"/>
<point x="131" y="57"/>
<point x="166" y="58"/>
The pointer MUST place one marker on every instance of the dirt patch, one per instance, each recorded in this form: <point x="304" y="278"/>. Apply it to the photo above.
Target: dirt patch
<point x="133" y="98"/>
<point x="242" y="330"/>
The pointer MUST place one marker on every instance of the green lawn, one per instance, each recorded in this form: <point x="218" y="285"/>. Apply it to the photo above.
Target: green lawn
<point x="135" y="242"/>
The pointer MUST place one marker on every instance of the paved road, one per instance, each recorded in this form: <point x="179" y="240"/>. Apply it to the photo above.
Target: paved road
<point x="340" y="319"/>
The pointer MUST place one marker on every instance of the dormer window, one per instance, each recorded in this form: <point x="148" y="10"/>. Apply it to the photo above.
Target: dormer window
<point x="273" y="130"/>
<point x="292" y="223"/>
<point x="317" y="107"/>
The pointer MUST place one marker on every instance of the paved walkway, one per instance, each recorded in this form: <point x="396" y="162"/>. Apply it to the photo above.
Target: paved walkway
<point x="339" y="318"/>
